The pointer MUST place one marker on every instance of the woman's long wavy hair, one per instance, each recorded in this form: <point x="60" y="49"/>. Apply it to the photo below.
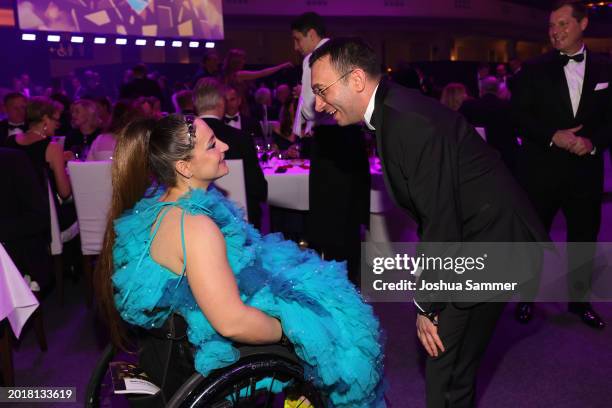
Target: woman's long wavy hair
<point x="146" y="153"/>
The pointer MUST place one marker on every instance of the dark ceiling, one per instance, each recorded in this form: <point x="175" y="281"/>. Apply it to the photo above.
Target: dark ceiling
<point x="597" y="15"/>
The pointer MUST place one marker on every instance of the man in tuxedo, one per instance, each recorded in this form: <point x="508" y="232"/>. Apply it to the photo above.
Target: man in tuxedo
<point x="448" y="179"/>
<point x="496" y="116"/>
<point x="339" y="182"/>
<point x="564" y="105"/>
<point x="233" y="118"/>
<point x="209" y="103"/>
<point x="15" y="105"/>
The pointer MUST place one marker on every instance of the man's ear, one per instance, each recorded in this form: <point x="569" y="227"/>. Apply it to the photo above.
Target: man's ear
<point x="584" y="23"/>
<point x="183" y="168"/>
<point x="358" y="79"/>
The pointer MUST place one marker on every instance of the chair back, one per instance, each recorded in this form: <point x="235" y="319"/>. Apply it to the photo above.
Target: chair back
<point x="232" y="185"/>
<point x="57" y="245"/>
<point x="92" y="191"/>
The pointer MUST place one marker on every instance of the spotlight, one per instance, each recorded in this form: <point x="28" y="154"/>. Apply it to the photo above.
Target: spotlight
<point x="77" y="39"/>
<point x="209" y="44"/>
<point x="194" y="44"/>
<point x="28" y="37"/>
<point x="160" y="43"/>
<point x="141" y="41"/>
<point x="177" y="44"/>
<point x="53" y="38"/>
<point x="99" y="40"/>
<point x="121" y="41"/>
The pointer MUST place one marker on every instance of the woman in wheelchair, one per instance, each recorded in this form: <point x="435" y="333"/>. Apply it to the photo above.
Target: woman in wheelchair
<point x="175" y="246"/>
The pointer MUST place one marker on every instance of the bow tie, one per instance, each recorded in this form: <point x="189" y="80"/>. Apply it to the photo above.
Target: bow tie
<point x="228" y="119"/>
<point x="565" y="58"/>
<point x="12" y="126"/>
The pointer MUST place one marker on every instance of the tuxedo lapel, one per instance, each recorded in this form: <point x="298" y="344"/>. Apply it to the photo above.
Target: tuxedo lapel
<point x="560" y="85"/>
<point x="588" y="85"/>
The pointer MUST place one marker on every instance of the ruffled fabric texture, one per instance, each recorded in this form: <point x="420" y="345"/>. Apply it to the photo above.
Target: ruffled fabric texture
<point x="334" y="332"/>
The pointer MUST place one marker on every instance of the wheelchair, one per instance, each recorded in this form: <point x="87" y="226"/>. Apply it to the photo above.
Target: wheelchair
<point x="166" y="356"/>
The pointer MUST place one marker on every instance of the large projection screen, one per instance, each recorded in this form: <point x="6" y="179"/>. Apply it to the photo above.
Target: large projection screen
<point x="198" y="19"/>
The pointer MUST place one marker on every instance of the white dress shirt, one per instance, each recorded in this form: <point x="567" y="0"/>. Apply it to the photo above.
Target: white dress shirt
<point x="236" y="123"/>
<point x="367" y="117"/>
<point x="574" y="74"/>
<point x="306" y="104"/>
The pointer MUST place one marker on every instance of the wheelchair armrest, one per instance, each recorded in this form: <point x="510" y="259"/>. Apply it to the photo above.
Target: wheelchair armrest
<point x="247" y="350"/>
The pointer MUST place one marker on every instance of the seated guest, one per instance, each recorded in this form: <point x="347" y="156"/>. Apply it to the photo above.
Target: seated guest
<point x="282" y="95"/>
<point x="139" y="85"/>
<point x="453" y="95"/>
<point x="46" y="155"/>
<point x="24" y="216"/>
<point x="285" y="140"/>
<point x="65" y="121"/>
<point x="15" y="107"/>
<point x="182" y="248"/>
<point x="103" y="146"/>
<point x="496" y="117"/>
<point x="105" y="110"/>
<point x="233" y="118"/>
<point x="209" y="102"/>
<point x="262" y="110"/>
<point x="86" y="126"/>
<point x="148" y="107"/>
<point x="183" y="102"/>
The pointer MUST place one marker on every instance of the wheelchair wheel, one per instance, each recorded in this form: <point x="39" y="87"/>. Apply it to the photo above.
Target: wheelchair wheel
<point x="234" y="386"/>
<point x="99" y="387"/>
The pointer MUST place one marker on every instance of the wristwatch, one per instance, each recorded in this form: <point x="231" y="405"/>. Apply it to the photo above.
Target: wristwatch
<point x="430" y="315"/>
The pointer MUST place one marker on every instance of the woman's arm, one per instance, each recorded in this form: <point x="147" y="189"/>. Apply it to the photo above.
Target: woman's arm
<point x="55" y="158"/>
<point x="214" y="287"/>
<point x="249" y="75"/>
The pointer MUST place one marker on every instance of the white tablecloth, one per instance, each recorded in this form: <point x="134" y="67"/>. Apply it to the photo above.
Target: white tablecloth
<point x="290" y="190"/>
<point x="17" y="302"/>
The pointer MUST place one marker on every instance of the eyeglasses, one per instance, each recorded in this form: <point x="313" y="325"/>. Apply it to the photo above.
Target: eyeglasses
<point x="320" y="92"/>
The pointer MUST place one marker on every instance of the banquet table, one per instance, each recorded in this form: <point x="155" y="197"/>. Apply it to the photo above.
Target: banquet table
<point x="17" y="303"/>
<point x="288" y="188"/>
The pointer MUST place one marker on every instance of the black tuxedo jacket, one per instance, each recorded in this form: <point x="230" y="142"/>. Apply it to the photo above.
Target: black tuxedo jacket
<point x="251" y="126"/>
<point x="241" y="147"/>
<point x="496" y="117"/>
<point x="542" y="101"/>
<point x="445" y="176"/>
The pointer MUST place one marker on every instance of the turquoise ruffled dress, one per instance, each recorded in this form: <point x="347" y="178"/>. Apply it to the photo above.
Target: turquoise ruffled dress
<point x="334" y="332"/>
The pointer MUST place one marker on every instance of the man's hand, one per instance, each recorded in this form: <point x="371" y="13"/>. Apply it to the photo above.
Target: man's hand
<point x="582" y="146"/>
<point x="428" y="334"/>
<point x="566" y="138"/>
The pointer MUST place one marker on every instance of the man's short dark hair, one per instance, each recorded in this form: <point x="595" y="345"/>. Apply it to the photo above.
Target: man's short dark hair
<point x="348" y="53"/>
<point x="12" y="96"/>
<point x="309" y="21"/>
<point x="579" y="9"/>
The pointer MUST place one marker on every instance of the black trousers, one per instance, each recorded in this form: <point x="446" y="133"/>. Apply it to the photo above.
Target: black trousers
<point x="465" y="334"/>
<point x="575" y="189"/>
<point x="339" y="194"/>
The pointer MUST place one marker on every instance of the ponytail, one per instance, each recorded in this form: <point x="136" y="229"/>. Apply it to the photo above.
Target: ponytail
<point x="130" y="179"/>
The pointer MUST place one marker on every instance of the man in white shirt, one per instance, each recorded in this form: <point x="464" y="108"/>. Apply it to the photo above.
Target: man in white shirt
<point x="339" y="183"/>
<point x="563" y="102"/>
<point x="233" y="118"/>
